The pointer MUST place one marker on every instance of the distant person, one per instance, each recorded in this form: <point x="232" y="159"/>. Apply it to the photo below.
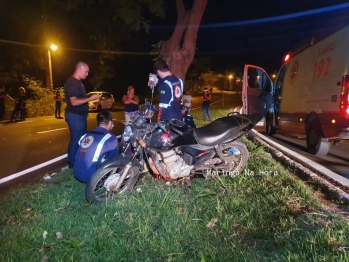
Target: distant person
<point x="3" y="96"/>
<point x="58" y="105"/>
<point x="77" y="108"/>
<point x="206" y="99"/>
<point x="95" y="147"/>
<point x="171" y="92"/>
<point x="131" y="102"/>
<point x="21" y="102"/>
<point x="187" y="98"/>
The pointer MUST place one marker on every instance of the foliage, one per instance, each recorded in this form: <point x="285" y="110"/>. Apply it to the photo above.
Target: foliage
<point x="102" y="27"/>
<point x="252" y="217"/>
<point x="40" y="99"/>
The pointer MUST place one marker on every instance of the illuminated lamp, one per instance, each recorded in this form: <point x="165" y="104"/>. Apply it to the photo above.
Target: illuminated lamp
<point x="287" y="57"/>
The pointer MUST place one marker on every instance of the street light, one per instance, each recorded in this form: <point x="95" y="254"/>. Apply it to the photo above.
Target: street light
<point x="49" y="81"/>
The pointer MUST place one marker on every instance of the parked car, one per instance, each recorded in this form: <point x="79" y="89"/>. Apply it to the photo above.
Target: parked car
<point x="106" y="101"/>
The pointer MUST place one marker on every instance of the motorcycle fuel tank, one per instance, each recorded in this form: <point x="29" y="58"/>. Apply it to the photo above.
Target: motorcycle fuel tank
<point x="170" y="139"/>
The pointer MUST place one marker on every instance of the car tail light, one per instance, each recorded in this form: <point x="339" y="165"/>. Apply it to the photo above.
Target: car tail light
<point x="344" y="101"/>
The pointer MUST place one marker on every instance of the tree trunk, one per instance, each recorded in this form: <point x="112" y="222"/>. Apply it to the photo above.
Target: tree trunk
<point x="179" y="50"/>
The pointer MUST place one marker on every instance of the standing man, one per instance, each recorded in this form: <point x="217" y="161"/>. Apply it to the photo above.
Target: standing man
<point x="95" y="147"/>
<point x="171" y="92"/>
<point x="206" y="99"/>
<point x="77" y="108"/>
<point x="187" y="101"/>
<point x="3" y="96"/>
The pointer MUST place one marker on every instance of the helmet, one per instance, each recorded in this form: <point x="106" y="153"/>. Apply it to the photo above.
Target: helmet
<point x="22" y="89"/>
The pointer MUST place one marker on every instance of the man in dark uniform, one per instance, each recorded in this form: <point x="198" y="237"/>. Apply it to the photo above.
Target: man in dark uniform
<point x="188" y="119"/>
<point x="95" y="147"/>
<point x="171" y="92"/>
<point x="77" y="108"/>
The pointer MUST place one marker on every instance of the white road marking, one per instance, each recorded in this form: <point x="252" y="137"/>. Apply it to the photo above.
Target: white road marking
<point x="24" y="172"/>
<point x="53" y="130"/>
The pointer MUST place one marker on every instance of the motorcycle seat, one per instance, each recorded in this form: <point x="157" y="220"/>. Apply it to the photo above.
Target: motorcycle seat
<point x="221" y="130"/>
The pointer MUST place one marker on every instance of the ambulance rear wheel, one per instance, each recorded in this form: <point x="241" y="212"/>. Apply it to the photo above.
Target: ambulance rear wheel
<point x="314" y="138"/>
<point x="269" y="129"/>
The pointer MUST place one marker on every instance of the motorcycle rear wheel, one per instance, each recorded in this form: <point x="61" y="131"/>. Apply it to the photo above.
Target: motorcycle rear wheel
<point x="95" y="191"/>
<point x="236" y="162"/>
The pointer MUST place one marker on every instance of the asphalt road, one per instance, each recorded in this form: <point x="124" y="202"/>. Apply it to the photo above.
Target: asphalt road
<point x="37" y="140"/>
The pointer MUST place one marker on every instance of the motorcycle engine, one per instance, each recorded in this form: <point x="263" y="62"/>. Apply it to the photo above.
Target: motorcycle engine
<point x="175" y="165"/>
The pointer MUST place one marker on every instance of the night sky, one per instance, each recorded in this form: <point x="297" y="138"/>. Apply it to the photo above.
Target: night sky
<point x="232" y="33"/>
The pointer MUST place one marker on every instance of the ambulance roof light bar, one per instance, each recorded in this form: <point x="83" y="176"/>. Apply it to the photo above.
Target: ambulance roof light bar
<point x="287" y="57"/>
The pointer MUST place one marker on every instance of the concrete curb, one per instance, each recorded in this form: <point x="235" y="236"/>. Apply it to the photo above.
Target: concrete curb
<point x="332" y="184"/>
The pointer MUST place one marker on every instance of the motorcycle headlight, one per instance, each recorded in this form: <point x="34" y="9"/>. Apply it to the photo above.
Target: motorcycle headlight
<point x="129" y="134"/>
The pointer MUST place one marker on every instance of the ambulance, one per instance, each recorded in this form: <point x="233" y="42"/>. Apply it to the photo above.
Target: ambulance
<point x="311" y="92"/>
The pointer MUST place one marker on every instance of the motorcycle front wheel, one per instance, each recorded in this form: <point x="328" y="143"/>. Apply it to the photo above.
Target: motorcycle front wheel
<point x="96" y="191"/>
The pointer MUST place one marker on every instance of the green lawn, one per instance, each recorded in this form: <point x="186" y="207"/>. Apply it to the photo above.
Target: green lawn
<point x="257" y="216"/>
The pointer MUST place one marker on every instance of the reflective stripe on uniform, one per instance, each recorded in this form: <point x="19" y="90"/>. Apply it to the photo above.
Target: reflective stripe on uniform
<point x="164" y="105"/>
<point x="99" y="147"/>
<point x="171" y="88"/>
<point x="82" y="138"/>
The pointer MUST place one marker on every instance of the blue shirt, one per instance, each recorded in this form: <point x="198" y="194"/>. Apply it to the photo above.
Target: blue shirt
<point x="95" y="146"/>
<point x="171" y="92"/>
<point x="131" y="107"/>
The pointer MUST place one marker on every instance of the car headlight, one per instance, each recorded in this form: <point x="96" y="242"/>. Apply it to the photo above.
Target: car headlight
<point x="129" y="134"/>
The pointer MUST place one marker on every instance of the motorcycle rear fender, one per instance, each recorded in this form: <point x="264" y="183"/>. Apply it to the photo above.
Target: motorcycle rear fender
<point x="119" y="160"/>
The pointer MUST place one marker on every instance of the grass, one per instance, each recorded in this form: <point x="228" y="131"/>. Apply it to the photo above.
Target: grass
<point x="257" y="216"/>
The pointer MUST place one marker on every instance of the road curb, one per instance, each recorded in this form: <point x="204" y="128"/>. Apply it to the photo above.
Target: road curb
<point x="332" y="184"/>
<point x="34" y="173"/>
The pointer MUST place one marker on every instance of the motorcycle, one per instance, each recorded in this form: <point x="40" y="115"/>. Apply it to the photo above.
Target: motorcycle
<point x="172" y="151"/>
<point x="19" y="115"/>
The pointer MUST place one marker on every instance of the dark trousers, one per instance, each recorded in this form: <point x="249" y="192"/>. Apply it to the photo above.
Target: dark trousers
<point x="77" y="127"/>
<point x="19" y="108"/>
<point x="58" y="109"/>
<point x="206" y="112"/>
<point x="2" y="112"/>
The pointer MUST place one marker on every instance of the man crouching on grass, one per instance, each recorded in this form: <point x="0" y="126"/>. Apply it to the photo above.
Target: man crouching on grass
<point x="95" y="147"/>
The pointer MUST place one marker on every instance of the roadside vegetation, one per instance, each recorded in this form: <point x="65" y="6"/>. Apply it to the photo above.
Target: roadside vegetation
<point x="40" y="99"/>
<point x="265" y="214"/>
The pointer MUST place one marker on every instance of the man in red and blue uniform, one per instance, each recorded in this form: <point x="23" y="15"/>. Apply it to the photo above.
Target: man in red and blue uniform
<point x="171" y="92"/>
<point x="95" y="147"/>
